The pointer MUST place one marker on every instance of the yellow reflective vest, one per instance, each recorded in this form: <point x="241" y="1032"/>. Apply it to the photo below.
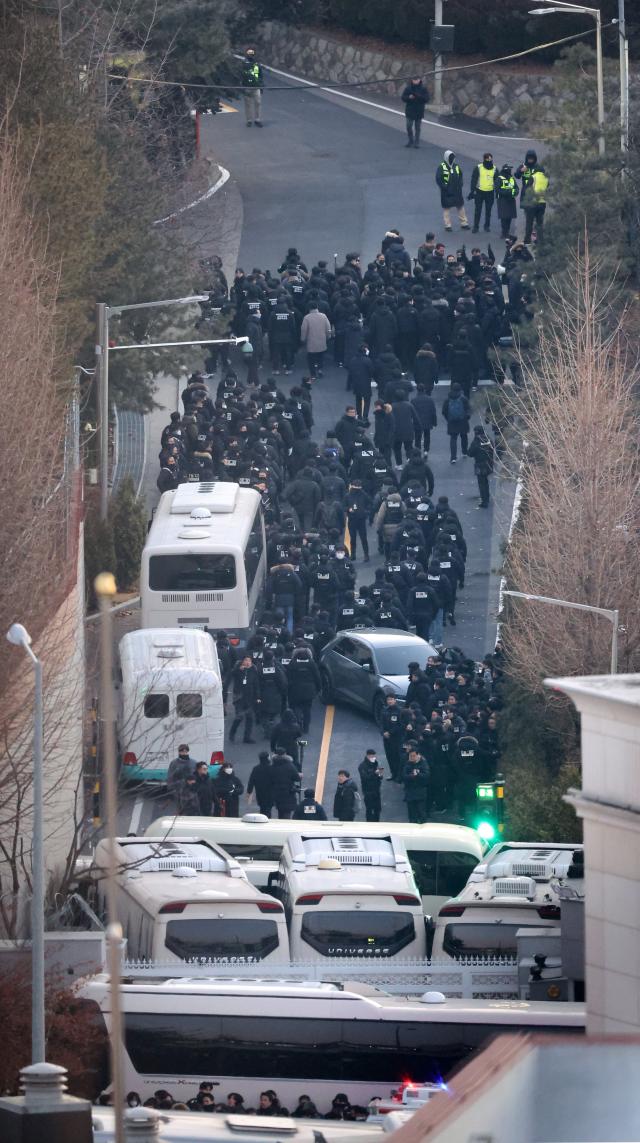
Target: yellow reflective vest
<point x="539" y="184"/>
<point x="486" y="175"/>
<point x="507" y="187"/>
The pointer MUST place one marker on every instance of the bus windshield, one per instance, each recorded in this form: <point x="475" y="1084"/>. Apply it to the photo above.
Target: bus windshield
<point x="192" y="572"/>
<point x="349" y="933"/>
<point x="217" y="938"/>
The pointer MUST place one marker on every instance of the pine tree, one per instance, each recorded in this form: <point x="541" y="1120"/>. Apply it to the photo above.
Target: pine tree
<point x="128" y="520"/>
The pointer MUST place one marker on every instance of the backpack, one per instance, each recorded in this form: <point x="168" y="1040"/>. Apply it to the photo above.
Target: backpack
<point x="456" y="411"/>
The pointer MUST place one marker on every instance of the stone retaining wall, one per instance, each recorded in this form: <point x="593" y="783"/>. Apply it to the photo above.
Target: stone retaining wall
<point x="493" y="94"/>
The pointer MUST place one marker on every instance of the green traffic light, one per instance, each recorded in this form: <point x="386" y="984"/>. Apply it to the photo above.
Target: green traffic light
<point x="486" y="830"/>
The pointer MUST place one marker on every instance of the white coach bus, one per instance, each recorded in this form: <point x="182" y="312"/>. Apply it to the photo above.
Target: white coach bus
<point x="185" y="900"/>
<point x="204" y="562"/>
<point x="318" y="1038"/>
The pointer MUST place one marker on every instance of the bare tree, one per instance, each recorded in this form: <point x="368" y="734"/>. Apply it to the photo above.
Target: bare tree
<point x="578" y="536"/>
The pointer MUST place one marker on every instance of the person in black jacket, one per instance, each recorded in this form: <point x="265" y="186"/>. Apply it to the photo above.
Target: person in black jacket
<point x="425" y="408"/>
<point x="304" y="495"/>
<point x="345" y="802"/>
<point x="406" y="425"/>
<point x="285" y="592"/>
<point x="417" y="471"/>
<point x="228" y="788"/>
<point x="261" y="784"/>
<point x="359" y="377"/>
<point x="272" y="691"/>
<point x="286" y="734"/>
<point x="303" y="678"/>
<point x="483" y="453"/>
<point x="245" y="696"/>
<point x="346" y="430"/>
<point x="414" y="97"/>
<point x="456" y="410"/>
<point x="285" y="783"/>
<point x="384" y="429"/>
<point x="358" y="510"/>
<point x="309" y="810"/>
<point x="371" y="775"/>
<point x="204" y="789"/>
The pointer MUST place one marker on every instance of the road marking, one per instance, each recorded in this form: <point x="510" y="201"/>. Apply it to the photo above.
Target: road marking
<point x="138" y="807"/>
<point x="224" y="175"/>
<point x="324" y="752"/>
<point x="392" y="110"/>
<point x="225" y="108"/>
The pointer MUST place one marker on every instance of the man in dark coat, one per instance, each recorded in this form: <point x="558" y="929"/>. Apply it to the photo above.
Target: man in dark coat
<point x="285" y="779"/>
<point x="416" y="787"/>
<point x="228" y="789"/>
<point x="414" y="97"/>
<point x="449" y="178"/>
<point x="406" y="425"/>
<point x="360" y="376"/>
<point x="425" y="407"/>
<point x="304" y="495"/>
<point x="483" y="454"/>
<point x="204" y="789"/>
<point x="303" y="678"/>
<point x="261" y="784"/>
<point x="345" y="802"/>
<point x="371" y="774"/>
<point x="245" y="695"/>
<point x="308" y="810"/>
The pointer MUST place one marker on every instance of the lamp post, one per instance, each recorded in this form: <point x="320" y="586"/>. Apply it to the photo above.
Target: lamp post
<point x="612" y="614"/>
<point x="595" y="12"/>
<point x="102" y="349"/>
<point x="19" y="636"/>
<point x="624" y="79"/>
<point x="437" y="60"/>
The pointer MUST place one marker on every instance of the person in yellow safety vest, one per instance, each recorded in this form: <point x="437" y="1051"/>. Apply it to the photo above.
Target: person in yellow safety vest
<point x="506" y="189"/>
<point x="482" y="181"/>
<point x="449" y="178"/>
<point x="536" y="204"/>
<point x="253" y="85"/>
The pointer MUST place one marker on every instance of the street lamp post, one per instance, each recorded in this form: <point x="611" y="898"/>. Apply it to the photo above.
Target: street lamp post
<point x="20" y="637"/>
<point x="103" y="315"/>
<point x="437" y="60"/>
<point x="563" y="6"/>
<point x="624" y="79"/>
<point x="612" y="614"/>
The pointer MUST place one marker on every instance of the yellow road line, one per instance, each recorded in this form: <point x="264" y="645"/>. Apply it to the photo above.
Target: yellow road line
<point x="324" y="752"/>
<point x="226" y="107"/>
<point x="347" y="539"/>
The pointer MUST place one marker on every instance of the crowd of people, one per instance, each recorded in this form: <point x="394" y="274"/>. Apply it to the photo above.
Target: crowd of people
<point x="268" y="1104"/>
<point x="396" y="329"/>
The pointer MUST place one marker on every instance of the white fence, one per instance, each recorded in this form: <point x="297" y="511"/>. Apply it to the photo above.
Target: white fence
<point x="465" y="979"/>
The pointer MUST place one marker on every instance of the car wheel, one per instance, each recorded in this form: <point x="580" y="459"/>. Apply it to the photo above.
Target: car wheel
<point x="326" y="691"/>
<point x="378" y="708"/>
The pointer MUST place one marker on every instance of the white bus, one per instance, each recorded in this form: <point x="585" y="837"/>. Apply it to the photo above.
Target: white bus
<point x="442" y="856"/>
<point x="350" y="897"/>
<point x="169" y="691"/>
<point x="185" y="900"/>
<point x="204" y="562"/>
<point x="318" y="1038"/>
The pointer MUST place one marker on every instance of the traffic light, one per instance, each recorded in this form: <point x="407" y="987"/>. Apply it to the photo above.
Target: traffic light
<point x="490" y="808"/>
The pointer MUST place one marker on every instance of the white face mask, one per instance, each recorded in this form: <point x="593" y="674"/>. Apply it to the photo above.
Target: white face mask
<point x="228" y="770"/>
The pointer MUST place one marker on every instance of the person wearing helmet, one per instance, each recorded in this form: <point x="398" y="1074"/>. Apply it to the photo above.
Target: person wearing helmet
<point x="506" y="189"/>
<point x="253" y="86"/>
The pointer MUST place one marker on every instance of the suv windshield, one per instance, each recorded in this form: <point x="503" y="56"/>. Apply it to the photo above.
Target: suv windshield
<point x="356" y="934"/>
<point x="395" y="660"/>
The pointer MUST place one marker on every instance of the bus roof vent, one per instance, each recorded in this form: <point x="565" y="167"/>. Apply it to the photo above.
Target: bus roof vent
<point x="215" y="496"/>
<point x="514" y="887"/>
<point x="181" y="858"/>
<point x="191" y="533"/>
<point x="184" y="871"/>
<point x="201" y="513"/>
<point x="530" y="869"/>
<point x="170" y="651"/>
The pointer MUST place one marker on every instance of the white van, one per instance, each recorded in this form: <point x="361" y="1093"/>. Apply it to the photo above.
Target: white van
<point x="185" y="900"/>
<point x="514" y="887"/>
<point x="170" y="692"/>
<point x="442" y="855"/>
<point x="350" y="897"/>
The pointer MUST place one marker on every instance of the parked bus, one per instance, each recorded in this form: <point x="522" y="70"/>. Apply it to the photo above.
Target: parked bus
<point x="204" y="562"/>
<point x="317" y="1038"/>
<point x="185" y="900"/>
<point x="442" y="856"/>
<point x="349" y="897"/>
<point x="169" y="691"/>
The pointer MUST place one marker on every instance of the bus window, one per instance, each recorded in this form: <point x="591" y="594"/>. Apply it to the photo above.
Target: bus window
<point x="156" y="706"/>
<point x="348" y="933"/>
<point x="441" y="873"/>
<point x="233" y="937"/>
<point x="369" y="1050"/>
<point x="253" y="553"/>
<point x="254" y="852"/>
<point x="292" y="1047"/>
<point x="189" y="706"/>
<point x="172" y="1044"/>
<point x="204" y="572"/>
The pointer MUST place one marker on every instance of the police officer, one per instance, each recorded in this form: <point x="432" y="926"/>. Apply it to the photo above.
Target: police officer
<point x="449" y="178"/>
<point x="358" y="508"/>
<point x="245" y="695"/>
<point x="422" y="605"/>
<point x="482" y="190"/>
<point x="392" y="734"/>
<point x="371" y="775"/>
<point x="253" y="83"/>
<point x="308" y="809"/>
<point x="506" y="190"/>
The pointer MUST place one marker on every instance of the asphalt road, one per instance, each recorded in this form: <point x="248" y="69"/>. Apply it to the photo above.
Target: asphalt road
<point x="330" y="175"/>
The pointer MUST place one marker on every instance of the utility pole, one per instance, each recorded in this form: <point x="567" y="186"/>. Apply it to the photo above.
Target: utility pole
<point x="102" y="379"/>
<point x="437" y="61"/>
<point x="624" y="79"/>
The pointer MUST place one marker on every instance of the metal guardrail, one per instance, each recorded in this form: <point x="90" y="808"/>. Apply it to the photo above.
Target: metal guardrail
<point x="473" y="978"/>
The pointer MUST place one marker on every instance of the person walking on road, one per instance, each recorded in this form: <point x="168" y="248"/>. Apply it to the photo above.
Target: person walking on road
<point x="371" y="775"/>
<point x="245" y="697"/>
<point x="456" y="410"/>
<point x="253" y="85"/>
<point x="415" y="96"/>
<point x="449" y="178"/>
<point x="308" y="810"/>
<point x="260" y="784"/>
<point x="345" y="802"/>
<point x="535" y="204"/>
<point x="482" y="190"/>
<point x="315" y="332"/>
<point x="506" y="189"/>
<point x="483" y="453"/>
<point x="204" y="789"/>
<point x="228" y="789"/>
<point x="286" y="783"/>
<point x="358" y="510"/>
<point x="416" y="787"/>
<point x="303" y="679"/>
<point x="180" y="769"/>
<point x="392" y="736"/>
